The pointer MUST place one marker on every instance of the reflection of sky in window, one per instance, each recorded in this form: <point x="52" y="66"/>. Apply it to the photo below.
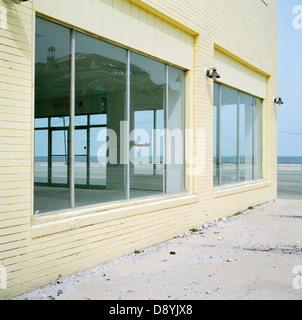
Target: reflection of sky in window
<point x="45" y="38"/>
<point x="174" y="78"/>
<point x="86" y="44"/>
<point x="155" y="69"/>
<point x="229" y="120"/>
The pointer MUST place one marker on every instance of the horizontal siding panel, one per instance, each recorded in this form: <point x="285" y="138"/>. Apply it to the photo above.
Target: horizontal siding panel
<point x="14" y="211"/>
<point x="14" y="133"/>
<point x="21" y="126"/>
<point x="21" y="163"/>
<point x="14" y="187"/>
<point x="15" y="103"/>
<point x="16" y="59"/>
<point x="22" y="48"/>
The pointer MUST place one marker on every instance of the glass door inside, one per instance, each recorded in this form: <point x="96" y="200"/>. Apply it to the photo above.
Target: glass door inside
<point x="59" y="157"/>
<point x="81" y="159"/>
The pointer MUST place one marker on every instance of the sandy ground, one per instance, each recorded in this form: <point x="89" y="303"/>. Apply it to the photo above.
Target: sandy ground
<point x="249" y="256"/>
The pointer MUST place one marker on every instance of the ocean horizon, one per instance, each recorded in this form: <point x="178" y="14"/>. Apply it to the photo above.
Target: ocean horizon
<point x="289" y="160"/>
<point x="280" y="159"/>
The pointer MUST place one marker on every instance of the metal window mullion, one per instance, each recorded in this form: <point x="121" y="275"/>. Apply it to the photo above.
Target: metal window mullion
<point x="184" y="94"/>
<point x="154" y="142"/>
<point x="261" y="141"/>
<point x="238" y="138"/>
<point x="49" y="160"/>
<point x="219" y="136"/>
<point x="88" y="152"/>
<point x="127" y="149"/>
<point x="71" y="124"/>
<point x="253" y="140"/>
<point x="165" y="114"/>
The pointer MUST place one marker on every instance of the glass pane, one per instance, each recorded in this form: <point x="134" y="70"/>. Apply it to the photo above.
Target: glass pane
<point x="175" y="120"/>
<point x="80" y="121"/>
<point x="59" y="159"/>
<point x="97" y="158"/>
<point x="52" y="86"/>
<point x="158" y="149"/>
<point x="41" y="156"/>
<point x="100" y="89"/>
<point x="147" y="95"/>
<point x="80" y="157"/>
<point x="41" y="123"/>
<point x="216" y="135"/>
<point x="59" y="122"/>
<point x="143" y="146"/>
<point x="246" y="136"/>
<point x="229" y="135"/>
<point x="98" y="119"/>
<point x="52" y="69"/>
<point x="258" y="140"/>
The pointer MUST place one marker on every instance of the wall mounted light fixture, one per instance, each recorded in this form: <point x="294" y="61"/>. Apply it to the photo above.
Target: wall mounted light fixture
<point x="15" y="1"/>
<point x="212" y="73"/>
<point x="278" y="101"/>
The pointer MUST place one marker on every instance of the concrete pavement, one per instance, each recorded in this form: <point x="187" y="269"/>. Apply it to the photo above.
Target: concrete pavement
<point x="254" y="255"/>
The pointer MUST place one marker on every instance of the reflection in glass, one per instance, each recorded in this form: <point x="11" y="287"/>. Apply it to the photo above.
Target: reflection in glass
<point x="80" y="154"/>
<point x="228" y="135"/>
<point x="102" y="171"/>
<point x="97" y="172"/>
<point x="80" y="121"/>
<point x="216" y="135"/>
<point x="59" y="122"/>
<point x="52" y="87"/>
<point x="147" y="98"/>
<point x="100" y="89"/>
<point x="246" y="142"/>
<point x="175" y="147"/>
<point x="237" y="137"/>
<point x="98" y="119"/>
<point x="143" y="137"/>
<point x="41" y="123"/>
<point x="41" y="156"/>
<point x="59" y="157"/>
<point x="258" y="139"/>
<point x="158" y="138"/>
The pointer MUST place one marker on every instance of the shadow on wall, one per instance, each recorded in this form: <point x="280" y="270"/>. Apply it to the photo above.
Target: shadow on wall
<point x="15" y="28"/>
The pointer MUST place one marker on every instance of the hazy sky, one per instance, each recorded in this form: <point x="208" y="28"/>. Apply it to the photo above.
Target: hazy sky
<point x="290" y="77"/>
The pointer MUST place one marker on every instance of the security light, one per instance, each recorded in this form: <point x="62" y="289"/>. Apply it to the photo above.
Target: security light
<point x="15" y="1"/>
<point x="212" y="74"/>
<point x="278" y="101"/>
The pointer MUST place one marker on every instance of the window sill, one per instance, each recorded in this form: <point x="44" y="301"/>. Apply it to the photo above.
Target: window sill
<point x="227" y="190"/>
<point x="61" y="221"/>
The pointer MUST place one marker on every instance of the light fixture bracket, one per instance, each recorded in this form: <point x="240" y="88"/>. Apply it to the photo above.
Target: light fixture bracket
<point x="212" y="73"/>
<point x="278" y="101"/>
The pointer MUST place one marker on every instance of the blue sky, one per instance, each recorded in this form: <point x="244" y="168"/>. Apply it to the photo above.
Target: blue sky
<point x="289" y="78"/>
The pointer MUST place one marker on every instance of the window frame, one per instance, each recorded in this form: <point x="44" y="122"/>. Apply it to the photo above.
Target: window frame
<point x="257" y="140"/>
<point x="72" y="126"/>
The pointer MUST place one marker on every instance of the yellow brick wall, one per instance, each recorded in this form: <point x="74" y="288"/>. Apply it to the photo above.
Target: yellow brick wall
<point x="195" y="35"/>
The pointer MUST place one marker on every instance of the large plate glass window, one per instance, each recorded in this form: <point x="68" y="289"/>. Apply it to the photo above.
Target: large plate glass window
<point x="147" y="102"/>
<point x="100" y="106"/>
<point x="52" y="101"/>
<point x="106" y="119"/>
<point x="237" y="147"/>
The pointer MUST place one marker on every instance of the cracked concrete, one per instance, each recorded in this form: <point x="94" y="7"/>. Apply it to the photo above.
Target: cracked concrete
<point x="250" y="256"/>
